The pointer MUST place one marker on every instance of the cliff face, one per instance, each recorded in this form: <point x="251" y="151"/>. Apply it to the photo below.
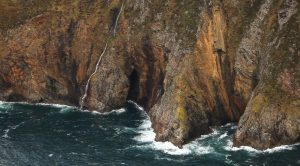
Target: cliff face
<point x="272" y="114"/>
<point x="190" y="64"/>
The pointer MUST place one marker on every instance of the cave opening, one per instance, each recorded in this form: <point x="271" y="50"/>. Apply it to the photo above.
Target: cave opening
<point x="134" y="81"/>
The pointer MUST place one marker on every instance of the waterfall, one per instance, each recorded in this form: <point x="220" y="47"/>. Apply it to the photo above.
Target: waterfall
<point x="115" y="27"/>
<point x="99" y="60"/>
<point x="89" y="80"/>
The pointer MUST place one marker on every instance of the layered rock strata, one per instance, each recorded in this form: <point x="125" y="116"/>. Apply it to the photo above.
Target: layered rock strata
<point x="191" y="64"/>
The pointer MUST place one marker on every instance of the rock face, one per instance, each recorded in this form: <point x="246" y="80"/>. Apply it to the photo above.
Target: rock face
<point x="190" y="64"/>
<point x="272" y="114"/>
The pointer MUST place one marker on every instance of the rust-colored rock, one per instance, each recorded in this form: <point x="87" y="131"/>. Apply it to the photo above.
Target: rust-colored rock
<point x="190" y="64"/>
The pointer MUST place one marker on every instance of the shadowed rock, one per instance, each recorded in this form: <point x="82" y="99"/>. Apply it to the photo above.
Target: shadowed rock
<point x="191" y="64"/>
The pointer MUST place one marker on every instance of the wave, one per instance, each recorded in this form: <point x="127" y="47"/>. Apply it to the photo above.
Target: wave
<point x="36" y="104"/>
<point x="230" y="147"/>
<point x="63" y="108"/>
<point x="223" y="135"/>
<point x="147" y="138"/>
<point x="136" y="105"/>
<point x="214" y="133"/>
<point x="4" y="104"/>
<point x="6" y="131"/>
<point x="117" y="111"/>
<point x="199" y="146"/>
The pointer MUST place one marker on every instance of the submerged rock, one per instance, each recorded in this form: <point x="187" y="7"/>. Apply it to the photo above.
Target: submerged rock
<point x="190" y="64"/>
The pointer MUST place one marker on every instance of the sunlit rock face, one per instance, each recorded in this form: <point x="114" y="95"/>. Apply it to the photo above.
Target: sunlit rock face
<point x="272" y="114"/>
<point x="190" y="64"/>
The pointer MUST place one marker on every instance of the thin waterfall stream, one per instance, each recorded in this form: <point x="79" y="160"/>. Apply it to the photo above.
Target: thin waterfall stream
<point x="89" y="80"/>
<point x="85" y="95"/>
<point x="115" y="27"/>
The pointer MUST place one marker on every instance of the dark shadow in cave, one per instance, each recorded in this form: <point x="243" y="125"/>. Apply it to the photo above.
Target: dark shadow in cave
<point x="134" y="80"/>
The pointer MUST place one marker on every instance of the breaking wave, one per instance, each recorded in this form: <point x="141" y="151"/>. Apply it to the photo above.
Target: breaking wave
<point x="34" y="134"/>
<point x="146" y="138"/>
<point x="229" y="147"/>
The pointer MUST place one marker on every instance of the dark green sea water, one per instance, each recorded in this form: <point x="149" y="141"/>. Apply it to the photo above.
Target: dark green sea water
<point x="61" y="135"/>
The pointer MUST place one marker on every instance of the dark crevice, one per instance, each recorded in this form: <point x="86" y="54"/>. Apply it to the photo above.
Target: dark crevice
<point x="134" y="86"/>
<point x="71" y="32"/>
<point x="146" y="79"/>
<point x="15" y="97"/>
<point x="74" y="98"/>
<point x="150" y="84"/>
<point x="4" y="84"/>
<point x="89" y="59"/>
<point x="66" y="62"/>
<point x="61" y="51"/>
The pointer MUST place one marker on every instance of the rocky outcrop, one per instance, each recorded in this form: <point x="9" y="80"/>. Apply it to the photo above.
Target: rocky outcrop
<point x="190" y="64"/>
<point x="197" y="95"/>
<point x="272" y="115"/>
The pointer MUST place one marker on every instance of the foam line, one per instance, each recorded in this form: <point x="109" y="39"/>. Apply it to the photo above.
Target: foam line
<point x="38" y="104"/>
<point x="229" y="147"/>
<point x="146" y="138"/>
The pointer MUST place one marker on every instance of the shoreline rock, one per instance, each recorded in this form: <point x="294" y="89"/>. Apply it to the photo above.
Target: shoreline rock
<point x="190" y="64"/>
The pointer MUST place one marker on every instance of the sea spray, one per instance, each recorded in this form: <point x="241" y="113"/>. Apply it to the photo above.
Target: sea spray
<point x="42" y="134"/>
<point x="146" y="140"/>
<point x="229" y="147"/>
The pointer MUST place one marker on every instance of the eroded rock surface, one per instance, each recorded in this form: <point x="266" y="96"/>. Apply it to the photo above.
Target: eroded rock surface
<point x="272" y="115"/>
<point x="190" y="64"/>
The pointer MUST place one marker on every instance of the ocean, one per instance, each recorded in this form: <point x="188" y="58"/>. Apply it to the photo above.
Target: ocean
<point x="45" y="134"/>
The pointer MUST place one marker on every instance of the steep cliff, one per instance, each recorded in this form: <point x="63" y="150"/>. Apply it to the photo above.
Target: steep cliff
<point x="190" y="64"/>
<point x="272" y="114"/>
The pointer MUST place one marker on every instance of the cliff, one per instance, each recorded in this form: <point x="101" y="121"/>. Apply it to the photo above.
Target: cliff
<point x="190" y="64"/>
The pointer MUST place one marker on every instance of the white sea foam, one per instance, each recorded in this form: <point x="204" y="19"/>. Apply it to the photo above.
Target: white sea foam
<point x="229" y="147"/>
<point x="63" y="108"/>
<point x="117" y="111"/>
<point x="228" y="125"/>
<point x="6" y="131"/>
<point x="281" y="148"/>
<point x="66" y="108"/>
<point x="233" y="127"/>
<point x="5" y="135"/>
<point x="147" y="139"/>
<point x="38" y="104"/>
<point x="214" y="133"/>
<point x="5" y="106"/>
<point x="136" y="105"/>
<point x="146" y="132"/>
<point x="223" y="136"/>
<point x="53" y="105"/>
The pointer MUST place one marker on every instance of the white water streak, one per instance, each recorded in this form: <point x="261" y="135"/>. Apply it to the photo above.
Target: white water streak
<point x="147" y="139"/>
<point x="89" y="80"/>
<point x="11" y="128"/>
<point x="117" y="111"/>
<point x="37" y="104"/>
<point x="230" y="147"/>
<point x="116" y="23"/>
<point x="100" y="58"/>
